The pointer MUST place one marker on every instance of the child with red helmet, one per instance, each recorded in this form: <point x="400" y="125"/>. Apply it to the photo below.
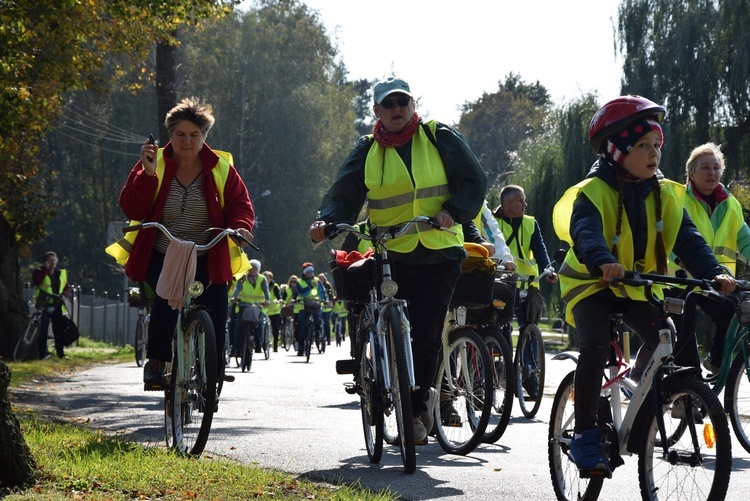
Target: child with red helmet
<point x="624" y="216"/>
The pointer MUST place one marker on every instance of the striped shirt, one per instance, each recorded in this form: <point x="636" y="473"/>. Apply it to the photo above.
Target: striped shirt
<point x="185" y="215"/>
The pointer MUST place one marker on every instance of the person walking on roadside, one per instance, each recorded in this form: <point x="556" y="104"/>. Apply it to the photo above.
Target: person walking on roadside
<point x="51" y="285"/>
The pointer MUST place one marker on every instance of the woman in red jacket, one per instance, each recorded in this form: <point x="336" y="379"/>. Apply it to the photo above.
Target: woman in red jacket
<point x="198" y="189"/>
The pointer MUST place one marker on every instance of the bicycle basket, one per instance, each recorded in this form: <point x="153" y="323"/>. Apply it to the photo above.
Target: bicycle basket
<point x="287" y="310"/>
<point x="352" y="277"/>
<point x="476" y="284"/>
<point x="251" y="314"/>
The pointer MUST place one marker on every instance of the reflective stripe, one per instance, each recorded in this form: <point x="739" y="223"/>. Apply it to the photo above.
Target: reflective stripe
<point x="391" y="202"/>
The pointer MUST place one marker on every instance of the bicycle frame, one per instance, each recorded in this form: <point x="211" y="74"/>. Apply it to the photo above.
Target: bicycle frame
<point x="736" y="341"/>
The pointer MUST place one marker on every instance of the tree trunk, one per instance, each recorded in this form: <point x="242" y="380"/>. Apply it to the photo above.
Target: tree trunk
<point x="13" y="309"/>
<point x="17" y="466"/>
<point x="166" y="86"/>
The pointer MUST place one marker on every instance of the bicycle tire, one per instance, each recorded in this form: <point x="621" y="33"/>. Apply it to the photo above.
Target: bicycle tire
<point x="28" y="340"/>
<point x="288" y="333"/>
<point x="141" y="341"/>
<point x="737" y="399"/>
<point x="339" y="327"/>
<point x="530" y="370"/>
<point x="309" y="339"/>
<point x="266" y="345"/>
<point x="464" y="410"/>
<point x="501" y="356"/>
<point x="566" y="480"/>
<point x="397" y="337"/>
<point x="370" y="401"/>
<point x="246" y="356"/>
<point x="193" y="387"/>
<point x="673" y="477"/>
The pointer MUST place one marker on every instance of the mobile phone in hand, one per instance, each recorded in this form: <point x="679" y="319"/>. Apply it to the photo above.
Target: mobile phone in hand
<point x="151" y="140"/>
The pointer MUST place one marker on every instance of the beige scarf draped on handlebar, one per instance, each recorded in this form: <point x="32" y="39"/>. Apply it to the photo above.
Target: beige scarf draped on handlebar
<point x="177" y="273"/>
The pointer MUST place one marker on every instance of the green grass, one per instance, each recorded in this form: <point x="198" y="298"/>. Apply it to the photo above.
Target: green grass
<point x="75" y="461"/>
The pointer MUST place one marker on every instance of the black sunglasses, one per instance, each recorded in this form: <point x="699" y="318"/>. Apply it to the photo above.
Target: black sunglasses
<point x="402" y="102"/>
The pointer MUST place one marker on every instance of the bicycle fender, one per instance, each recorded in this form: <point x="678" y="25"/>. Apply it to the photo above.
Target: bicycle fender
<point x="567" y="355"/>
<point x="639" y="426"/>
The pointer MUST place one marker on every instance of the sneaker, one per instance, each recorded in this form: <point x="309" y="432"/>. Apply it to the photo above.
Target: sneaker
<point x="153" y="372"/>
<point x="710" y="367"/>
<point x="428" y="416"/>
<point x="586" y="453"/>
<point x="678" y="411"/>
<point x="420" y="433"/>
<point x="451" y="418"/>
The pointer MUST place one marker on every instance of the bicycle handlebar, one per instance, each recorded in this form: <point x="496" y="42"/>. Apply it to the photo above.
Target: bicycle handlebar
<point x="223" y="232"/>
<point x="332" y="230"/>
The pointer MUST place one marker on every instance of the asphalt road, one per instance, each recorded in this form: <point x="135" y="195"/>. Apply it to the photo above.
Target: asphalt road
<point x="296" y="417"/>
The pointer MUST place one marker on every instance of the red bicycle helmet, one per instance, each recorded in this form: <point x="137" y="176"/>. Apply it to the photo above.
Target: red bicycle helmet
<point x="618" y="113"/>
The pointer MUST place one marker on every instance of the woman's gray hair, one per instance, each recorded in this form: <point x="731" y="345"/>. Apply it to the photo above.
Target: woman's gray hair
<point x="193" y="110"/>
<point x="699" y="151"/>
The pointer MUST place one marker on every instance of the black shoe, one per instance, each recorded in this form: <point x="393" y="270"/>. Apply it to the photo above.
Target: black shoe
<point x="153" y="373"/>
<point x="300" y="354"/>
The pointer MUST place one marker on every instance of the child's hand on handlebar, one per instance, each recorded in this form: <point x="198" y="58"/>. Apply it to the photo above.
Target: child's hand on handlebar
<point x="551" y="277"/>
<point x="611" y="270"/>
<point x="726" y="282"/>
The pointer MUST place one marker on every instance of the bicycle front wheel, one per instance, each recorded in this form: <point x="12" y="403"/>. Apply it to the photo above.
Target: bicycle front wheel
<point x="737" y="399"/>
<point x="698" y="460"/>
<point x="265" y="342"/>
<point x="530" y="370"/>
<point x="400" y="387"/>
<point x="464" y="377"/>
<point x="370" y="401"/>
<point x="141" y="341"/>
<point x="501" y="358"/>
<point x="566" y="481"/>
<point x="27" y="341"/>
<point x="288" y="333"/>
<point x="193" y="385"/>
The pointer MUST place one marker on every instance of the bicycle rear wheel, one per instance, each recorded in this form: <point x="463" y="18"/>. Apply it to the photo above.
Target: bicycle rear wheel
<point x="400" y="394"/>
<point x="193" y="385"/>
<point x="466" y="392"/>
<point x="247" y="350"/>
<point x="309" y="339"/>
<point x="141" y="341"/>
<point x="501" y="356"/>
<point x="370" y="401"/>
<point x="265" y="341"/>
<point x="27" y="341"/>
<point x="697" y="462"/>
<point x="566" y="481"/>
<point x="737" y="399"/>
<point x="530" y="375"/>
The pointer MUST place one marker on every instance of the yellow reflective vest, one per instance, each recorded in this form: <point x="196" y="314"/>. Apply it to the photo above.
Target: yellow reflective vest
<point x="576" y="283"/>
<point x="525" y="262"/>
<point x="722" y="240"/>
<point x="394" y="195"/>
<point x="46" y="287"/>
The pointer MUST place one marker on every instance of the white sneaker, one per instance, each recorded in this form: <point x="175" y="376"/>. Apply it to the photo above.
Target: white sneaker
<point x="420" y="434"/>
<point x="428" y="416"/>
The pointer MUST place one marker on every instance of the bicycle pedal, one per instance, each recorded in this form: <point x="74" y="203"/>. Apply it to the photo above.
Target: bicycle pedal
<point x="346" y="366"/>
<point x="424" y="441"/>
<point x="228" y="378"/>
<point x="154" y="387"/>
<point x="350" y="388"/>
<point x="595" y="473"/>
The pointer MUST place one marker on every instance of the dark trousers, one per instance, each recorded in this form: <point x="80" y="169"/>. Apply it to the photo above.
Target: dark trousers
<point x="275" y="328"/>
<point x="327" y="326"/>
<point x="164" y="318"/>
<point x="592" y="316"/>
<point x="720" y="312"/>
<point x="428" y="289"/>
<point x="303" y="320"/>
<point x="44" y="329"/>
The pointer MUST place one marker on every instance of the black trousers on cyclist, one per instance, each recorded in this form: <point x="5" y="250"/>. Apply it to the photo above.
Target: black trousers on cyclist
<point x="592" y="316"/>
<point x="428" y="289"/>
<point x="720" y="311"/>
<point x="275" y="328"/>
<point x="164" y="318"/>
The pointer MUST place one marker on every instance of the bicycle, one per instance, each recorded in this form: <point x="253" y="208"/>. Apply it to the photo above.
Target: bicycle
<point x="313" y="334"/>
<point x="529" y="361"/>
<point x="287" y="331"/>
<point x="190" y="395"/>
<point x="28" y="340"/>
<point x="137" y="299"/>
<point x="339" y="328"/>
<point x="382" y="365"/>
<point x="250" y="318"/>
<point x="673" y="421"/>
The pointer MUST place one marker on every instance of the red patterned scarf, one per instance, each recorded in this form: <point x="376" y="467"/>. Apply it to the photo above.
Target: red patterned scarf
<point x="389" y="139"/>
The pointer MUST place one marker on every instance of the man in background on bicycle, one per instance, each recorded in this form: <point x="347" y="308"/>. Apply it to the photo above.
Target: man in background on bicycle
<point x="524" y="238"/>
<point x="48" y="281"/>
<point x="274" y="309"/>
<point x="251" y="289"/>
<point x="310" y="293"/>
<point x="409" y="168"/>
